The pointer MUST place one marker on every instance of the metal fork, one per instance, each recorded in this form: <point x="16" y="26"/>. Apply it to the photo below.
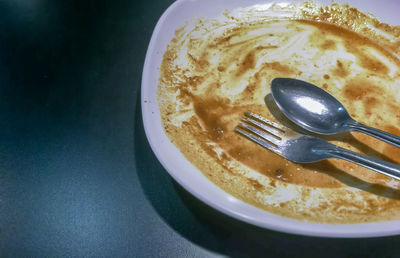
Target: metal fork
<point x="302" y="148"/>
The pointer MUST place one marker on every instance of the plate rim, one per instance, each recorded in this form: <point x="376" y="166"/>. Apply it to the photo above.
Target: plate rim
<point x="291" y="226"/>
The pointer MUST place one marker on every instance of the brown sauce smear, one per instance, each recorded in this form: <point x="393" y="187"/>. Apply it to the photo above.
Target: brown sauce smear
<point x="355" y="43"/>
<point x="219" y="116"/>
<point x="221" y="89"/>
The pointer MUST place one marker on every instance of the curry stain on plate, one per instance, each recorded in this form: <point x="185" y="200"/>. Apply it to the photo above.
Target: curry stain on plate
<point x="210" y="78"/>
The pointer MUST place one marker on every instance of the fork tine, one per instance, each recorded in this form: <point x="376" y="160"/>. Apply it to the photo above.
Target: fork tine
<point x="260" y="118"/>
<point x="268" y="126"/>
<point x="256" y="139"/>
<point x="263" y="134"/>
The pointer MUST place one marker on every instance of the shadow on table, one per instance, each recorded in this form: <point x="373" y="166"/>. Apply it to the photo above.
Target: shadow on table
<point x="207" y="227"/>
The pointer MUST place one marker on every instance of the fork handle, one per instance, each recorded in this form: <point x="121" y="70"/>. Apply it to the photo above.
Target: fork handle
<point x="378" y="165"/>
<point x="381" y="135"/>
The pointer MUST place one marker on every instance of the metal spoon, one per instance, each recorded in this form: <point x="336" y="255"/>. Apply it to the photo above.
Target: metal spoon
<point x="318" y="111"/>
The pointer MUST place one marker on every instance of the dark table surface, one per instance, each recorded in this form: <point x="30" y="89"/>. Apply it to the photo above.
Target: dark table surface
<point x="77" y="176"/>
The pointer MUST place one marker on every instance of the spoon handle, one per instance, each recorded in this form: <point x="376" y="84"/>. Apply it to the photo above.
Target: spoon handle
<point x="389" y="169"/>
<point x="381" y="135"/>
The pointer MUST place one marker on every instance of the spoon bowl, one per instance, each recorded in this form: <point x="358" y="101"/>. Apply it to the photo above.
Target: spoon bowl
<point x="317" y="111"/>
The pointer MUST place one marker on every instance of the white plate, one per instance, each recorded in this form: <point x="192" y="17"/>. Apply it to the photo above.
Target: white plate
<point x="190" y="177"/>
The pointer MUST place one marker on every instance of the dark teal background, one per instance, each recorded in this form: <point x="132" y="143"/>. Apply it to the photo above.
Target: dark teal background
<point x="77" y="176"/>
